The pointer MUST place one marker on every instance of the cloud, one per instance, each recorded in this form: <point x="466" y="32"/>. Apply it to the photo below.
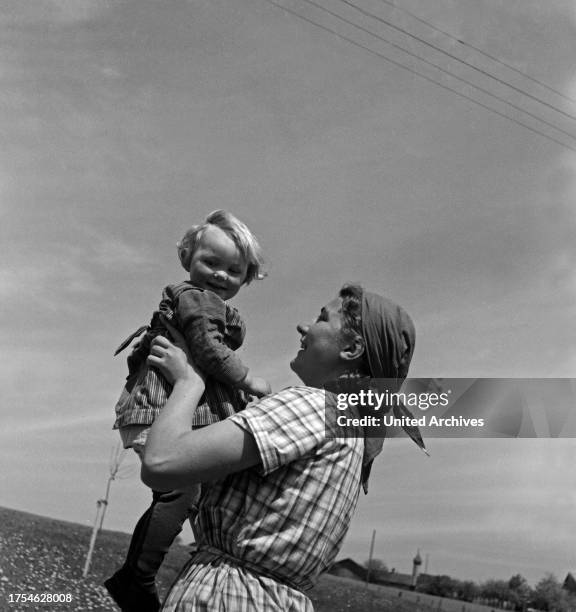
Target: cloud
<point x="78" y="11"/>
<point x="56" y="422"/>
<point x="558" y="204"/>
<point x="109" y="251"/>
<point x="6" y="189"/>
<point x="59" y="271"/>
<point x="65" y="12"/>
<point x="46" y="279"/>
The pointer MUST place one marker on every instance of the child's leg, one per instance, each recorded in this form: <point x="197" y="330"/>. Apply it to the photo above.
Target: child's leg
<point x="133" y="586"/>
<point x="160" y="525"/>
<point x="157" y="529"/>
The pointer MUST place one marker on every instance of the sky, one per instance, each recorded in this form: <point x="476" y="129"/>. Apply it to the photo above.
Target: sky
<point x="125" y="122"/>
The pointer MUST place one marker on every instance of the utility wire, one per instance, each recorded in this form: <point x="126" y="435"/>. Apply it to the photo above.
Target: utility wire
<point x="468" y="64"/>
<point x="422" y="59"/>
<point x="423" y="76"/>
<point x="481" y="51"/>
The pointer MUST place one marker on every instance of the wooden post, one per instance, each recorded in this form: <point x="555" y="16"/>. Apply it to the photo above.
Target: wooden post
<point x="101" y="505"/>
<point x="368" y="571"/>
<point x="95" y="529"/>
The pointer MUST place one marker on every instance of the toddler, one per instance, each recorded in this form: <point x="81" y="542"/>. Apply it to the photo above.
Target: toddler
<point x="220" y="256"/>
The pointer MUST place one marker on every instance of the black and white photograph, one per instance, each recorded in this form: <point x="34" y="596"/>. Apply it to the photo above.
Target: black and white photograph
<point x="216" y="216"/>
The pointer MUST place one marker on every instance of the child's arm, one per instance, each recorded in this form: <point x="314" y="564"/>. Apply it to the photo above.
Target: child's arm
<point x="202" y="316"/>
<point x="254" y="385"/>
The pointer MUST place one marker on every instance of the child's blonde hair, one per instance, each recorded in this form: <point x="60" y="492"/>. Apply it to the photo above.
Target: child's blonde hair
<point x="242" y="237"/>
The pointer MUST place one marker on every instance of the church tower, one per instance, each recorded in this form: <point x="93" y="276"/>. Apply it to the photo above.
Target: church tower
<point x="416" y="563"/>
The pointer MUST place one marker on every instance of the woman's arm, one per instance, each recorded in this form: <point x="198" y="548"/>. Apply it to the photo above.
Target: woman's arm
<point x="175" y="456"/>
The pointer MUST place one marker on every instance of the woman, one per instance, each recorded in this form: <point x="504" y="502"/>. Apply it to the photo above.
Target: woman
<point x="281" y="492"/>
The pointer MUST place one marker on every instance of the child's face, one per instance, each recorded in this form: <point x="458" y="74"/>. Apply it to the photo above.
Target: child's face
<point x="217" y="264"/>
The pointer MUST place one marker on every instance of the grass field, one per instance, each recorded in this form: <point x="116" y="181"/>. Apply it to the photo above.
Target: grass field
<point x="41" y="555"/>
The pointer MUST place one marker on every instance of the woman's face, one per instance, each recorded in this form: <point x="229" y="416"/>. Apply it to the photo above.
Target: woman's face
<point x="320" y="346"/>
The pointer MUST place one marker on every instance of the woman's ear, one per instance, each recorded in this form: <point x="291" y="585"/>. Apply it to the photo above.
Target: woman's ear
<point x="353" y="348"/>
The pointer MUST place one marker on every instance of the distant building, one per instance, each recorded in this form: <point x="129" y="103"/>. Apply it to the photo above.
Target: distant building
<point x="347" y="568"/>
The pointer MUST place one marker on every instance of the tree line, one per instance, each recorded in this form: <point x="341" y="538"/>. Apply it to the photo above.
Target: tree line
<point x="514" y="594"/>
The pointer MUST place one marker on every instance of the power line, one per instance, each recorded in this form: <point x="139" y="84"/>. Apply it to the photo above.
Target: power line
<point x="481" y="51"/>
<point x="468" y="64"/>
<point x="489" y="93"/>
<point x="423" y="76"/>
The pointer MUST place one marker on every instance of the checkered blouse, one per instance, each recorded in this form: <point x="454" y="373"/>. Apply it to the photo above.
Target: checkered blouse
<point x="265" y="534"/>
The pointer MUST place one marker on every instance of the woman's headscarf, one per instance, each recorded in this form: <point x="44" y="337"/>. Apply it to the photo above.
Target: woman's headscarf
<point x="389" y="338"/>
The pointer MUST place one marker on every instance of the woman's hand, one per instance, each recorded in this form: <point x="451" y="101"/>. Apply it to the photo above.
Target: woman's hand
<point x="176" y="455"/>
<point x="173" y="359"/>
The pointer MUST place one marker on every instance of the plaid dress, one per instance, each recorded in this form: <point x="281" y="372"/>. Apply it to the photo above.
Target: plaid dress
<point x="265" y="534"/>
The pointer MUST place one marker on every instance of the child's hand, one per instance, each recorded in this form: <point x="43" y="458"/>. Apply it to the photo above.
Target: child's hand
<point x="256" y="386"/>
